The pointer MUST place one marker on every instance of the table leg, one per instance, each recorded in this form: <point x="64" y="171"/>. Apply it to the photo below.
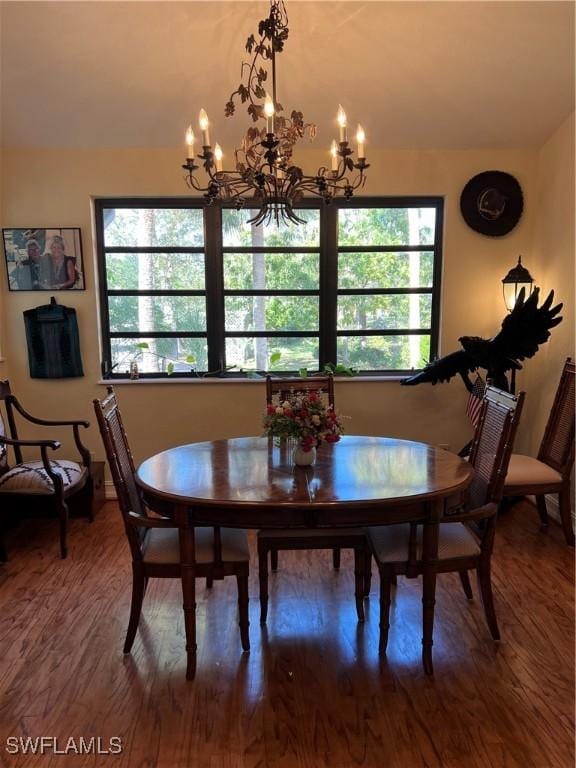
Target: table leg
<point x="188" y="575"/>
<point x="429" y="564"/>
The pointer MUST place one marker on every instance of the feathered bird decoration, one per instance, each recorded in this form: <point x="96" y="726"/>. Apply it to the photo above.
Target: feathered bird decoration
<point x="522" y="332"/>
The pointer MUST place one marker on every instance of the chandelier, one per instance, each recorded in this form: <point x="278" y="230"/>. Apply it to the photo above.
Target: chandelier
<point x="264" y="168"/>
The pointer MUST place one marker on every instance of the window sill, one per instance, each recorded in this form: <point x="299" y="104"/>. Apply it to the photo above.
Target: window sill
<point x="208" y="381"/>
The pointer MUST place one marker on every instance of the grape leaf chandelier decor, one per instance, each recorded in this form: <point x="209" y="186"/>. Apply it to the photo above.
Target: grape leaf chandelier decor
<point x="265" y="170"/>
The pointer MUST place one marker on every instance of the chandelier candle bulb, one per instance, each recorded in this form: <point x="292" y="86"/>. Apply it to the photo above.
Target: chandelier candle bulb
<point x="203" y="121"/>
<point x="334" y="155"/>
<point x="361" y="139"/>
<point x="190" y="142"/>
<point x="218" y="157"/>
<point x="341" y="117"/>
<point x="269" y="113"/>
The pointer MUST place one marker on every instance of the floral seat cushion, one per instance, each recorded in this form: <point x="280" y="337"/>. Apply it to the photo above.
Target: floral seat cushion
<point x="31" y="477"/>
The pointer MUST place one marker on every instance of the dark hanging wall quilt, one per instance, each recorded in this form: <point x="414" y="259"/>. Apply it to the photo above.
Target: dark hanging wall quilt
<point x="53" y="342"/>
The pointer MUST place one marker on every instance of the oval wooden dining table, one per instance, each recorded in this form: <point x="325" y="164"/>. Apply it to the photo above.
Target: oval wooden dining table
<point x="251" y="482"/>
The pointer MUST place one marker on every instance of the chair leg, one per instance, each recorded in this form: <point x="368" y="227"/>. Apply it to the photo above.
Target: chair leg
<point x="566" y="515"/>
<point x="385" y="584"/>
<point x="89" y="499"/>
<point x="274" y="559"/>
<point x="542" y="510"/>
<point x="485" y="587"/>
<point x="359" y="568"/>
<point x="242" y="581"/>
<point x="466" y="586"/>
<point x="63" y="516"/>
<point x="336" y="559"/>
<point x="428" y="603"/>
<point x="263" y="579"/>
<point x="138" y="589"/>
<point x="367" y="572"/>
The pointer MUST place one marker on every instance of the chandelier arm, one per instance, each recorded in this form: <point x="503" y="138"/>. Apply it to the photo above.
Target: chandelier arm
<point x="193" y="182"/>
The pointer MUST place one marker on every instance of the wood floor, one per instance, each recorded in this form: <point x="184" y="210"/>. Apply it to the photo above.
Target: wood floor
<point x="312" y="691"/>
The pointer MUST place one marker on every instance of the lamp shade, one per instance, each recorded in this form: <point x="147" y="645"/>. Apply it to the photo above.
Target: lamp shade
<point x="515" y="280"/>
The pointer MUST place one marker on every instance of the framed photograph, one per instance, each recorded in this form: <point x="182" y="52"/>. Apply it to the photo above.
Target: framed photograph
<point x="44" y="259"/>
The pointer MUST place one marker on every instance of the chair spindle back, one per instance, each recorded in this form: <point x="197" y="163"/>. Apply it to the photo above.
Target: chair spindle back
<point x="121" y="466"/>
<point x="492" y="446"/>
<point x="277" y="390"/>
<point x="557" y="446"/>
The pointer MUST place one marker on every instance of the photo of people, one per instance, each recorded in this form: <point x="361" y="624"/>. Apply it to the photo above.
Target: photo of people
<point x="44" y="259"/>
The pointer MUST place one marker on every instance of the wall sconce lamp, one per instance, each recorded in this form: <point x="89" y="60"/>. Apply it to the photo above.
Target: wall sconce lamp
<point x="515" y="280"/>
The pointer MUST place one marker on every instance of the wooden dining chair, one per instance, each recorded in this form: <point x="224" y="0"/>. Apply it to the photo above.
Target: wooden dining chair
<point x="272" y="541"/>
<point x="398" y="549"/>
<point x="45" y="484"/>
<point x="550" y="471"/>
<point x="154" y="541"/>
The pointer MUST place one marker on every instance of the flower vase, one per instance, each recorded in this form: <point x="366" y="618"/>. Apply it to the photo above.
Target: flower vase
<point x="303" y="458"/>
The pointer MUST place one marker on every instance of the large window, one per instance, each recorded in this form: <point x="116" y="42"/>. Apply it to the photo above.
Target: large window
<point x="188" y="290"/>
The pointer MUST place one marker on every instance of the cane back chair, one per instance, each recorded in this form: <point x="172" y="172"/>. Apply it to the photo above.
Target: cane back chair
<point x="40" y="485"/>
<point x="154" y="541"/>
<point x="550" y="472"/>
<point x="398" y="549"/>
<point x="272" y="541"/>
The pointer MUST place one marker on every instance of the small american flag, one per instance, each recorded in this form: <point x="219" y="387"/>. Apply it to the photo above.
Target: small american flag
<point x="475" y="400"/>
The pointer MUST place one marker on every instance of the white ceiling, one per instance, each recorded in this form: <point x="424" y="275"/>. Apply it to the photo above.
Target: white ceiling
<point x="416" y="74"/>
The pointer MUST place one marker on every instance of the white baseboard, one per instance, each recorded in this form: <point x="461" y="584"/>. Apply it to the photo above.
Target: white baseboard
<point x="109" y="491"/>
<point x="553" y="507"/>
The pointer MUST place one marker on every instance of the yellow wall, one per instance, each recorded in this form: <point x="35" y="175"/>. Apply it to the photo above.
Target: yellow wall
<point x="3" y="330"/>
<point x="552" y="269"/>
<point x="54" y="187"/>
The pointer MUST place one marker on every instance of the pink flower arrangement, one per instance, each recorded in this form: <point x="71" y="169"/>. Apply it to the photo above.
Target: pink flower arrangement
<point x="303" y="416"/>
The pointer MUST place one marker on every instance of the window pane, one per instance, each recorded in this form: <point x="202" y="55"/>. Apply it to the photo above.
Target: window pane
<point x="237" y="231"/>
<point x="157" y="313"/>
<point x="386" y="270"/>
<point x="271" y="271"/>
<point x="255" y="354"/>
<point x="159" y="354"/>
<point x="155" y="271"/>
<point x="386" y="226"/>
<point x="144" y="227"/>
<point x="395" y="311"/>
<point x="271" y="313"/>
<point x="367" y="353"/>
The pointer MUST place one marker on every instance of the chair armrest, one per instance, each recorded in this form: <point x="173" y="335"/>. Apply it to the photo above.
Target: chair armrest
<point x="74" y="423"/>
<point x="54" y="444"/>
<point x="138" y="521"/>
<point x="480" y="513"/>
<point x="47" y="422"/>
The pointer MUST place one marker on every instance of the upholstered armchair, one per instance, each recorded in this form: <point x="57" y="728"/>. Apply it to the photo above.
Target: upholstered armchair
<point x="40" y="484"/>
